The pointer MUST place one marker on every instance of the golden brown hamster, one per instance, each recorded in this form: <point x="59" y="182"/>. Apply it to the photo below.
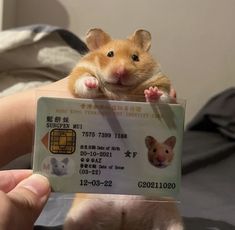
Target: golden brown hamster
<point x="119" y="69"/>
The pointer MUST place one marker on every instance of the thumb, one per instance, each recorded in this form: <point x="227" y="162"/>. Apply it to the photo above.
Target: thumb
<point x="28" y="199"/>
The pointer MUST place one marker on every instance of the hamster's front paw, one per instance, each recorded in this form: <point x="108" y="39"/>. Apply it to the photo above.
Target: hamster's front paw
<point x="87" y="87"/>
<point x="152" y="94"/>
<point x="91" y="82"/>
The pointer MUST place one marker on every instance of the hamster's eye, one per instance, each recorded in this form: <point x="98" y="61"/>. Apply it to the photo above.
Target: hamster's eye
<point x="154" y="150"/>
<point x="135" y="57"/>
<point x="167" y="151"/>
<point x="110" y="54"/>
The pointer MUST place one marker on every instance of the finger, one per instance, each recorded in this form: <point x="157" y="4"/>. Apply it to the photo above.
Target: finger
<point x="29" y="198"/>
<point x="10" y="178"/>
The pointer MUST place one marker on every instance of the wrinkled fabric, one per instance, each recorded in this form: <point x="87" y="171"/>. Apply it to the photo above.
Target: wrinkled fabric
<point x="218" y="115"/>
<point x="35" y="55"/>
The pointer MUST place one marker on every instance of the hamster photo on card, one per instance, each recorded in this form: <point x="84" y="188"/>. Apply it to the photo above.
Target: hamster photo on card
<point x="160" y="154"/>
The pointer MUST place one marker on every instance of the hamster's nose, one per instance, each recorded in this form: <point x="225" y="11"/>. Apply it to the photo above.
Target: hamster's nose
<point x="160" y="158"/>
<point x="120" y="72"/>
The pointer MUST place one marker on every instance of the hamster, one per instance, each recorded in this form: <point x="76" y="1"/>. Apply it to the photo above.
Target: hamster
<point x="160" y="154"/>
<point x="59" y="167"/>
<point x="119" y="69"/>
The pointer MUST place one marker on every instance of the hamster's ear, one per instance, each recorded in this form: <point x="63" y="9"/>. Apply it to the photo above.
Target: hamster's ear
<point x="96" y="38"/>
<point x="149" y="141"/>
<point x="142" y="38"/>
<point x="65" y="160"/>
<point x="171" y="141"/>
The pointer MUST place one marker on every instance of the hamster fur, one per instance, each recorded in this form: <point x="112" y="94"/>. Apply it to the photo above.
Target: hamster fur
<point x="120" y="70"/>
<point x="121" y="212"/>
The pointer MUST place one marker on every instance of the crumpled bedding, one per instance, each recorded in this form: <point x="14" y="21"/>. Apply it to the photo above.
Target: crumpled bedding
<point x="213" y="132"/>
<point x="37" y="54"/>
<point x="207" y="195"/>
<point x="218" y="115"/>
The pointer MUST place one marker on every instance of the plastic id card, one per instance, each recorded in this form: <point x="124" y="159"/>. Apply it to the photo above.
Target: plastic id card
<point x="109" y="147"/>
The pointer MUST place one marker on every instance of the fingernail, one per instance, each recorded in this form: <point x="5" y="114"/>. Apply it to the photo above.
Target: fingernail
<point x="37" y="184"/>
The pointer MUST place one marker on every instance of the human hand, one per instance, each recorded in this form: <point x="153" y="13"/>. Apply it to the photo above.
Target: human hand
<point x="22" y="198"/>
